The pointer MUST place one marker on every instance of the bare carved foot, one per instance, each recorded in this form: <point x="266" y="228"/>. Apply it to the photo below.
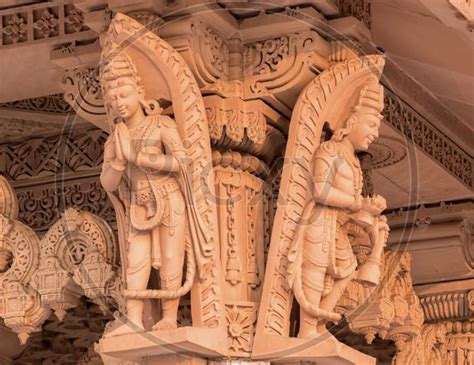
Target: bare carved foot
<point x="165" y="324"/>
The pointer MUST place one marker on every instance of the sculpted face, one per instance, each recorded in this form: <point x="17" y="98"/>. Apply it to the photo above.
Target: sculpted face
<point x="124" y="100"/>
<point x="364" y="131"/>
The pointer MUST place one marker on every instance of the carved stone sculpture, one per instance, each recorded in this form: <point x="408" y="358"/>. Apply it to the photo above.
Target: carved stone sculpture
<point x="76" y="256"/>
<point x="321" y="259"/>
<point x="320" y="195"/>
<point x="147" y="152"/>
<point x="153" y="171"/>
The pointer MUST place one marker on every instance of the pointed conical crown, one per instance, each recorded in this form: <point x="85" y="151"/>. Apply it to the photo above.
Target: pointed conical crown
<point x="371" y="98"/>
<point x="116" y="65"/>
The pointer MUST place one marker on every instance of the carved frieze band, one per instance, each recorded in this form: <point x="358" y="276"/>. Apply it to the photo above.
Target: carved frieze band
<point x="40" y="207"/>
<point x="52" y="104"/>
<point x="49" y="156"/>
<point x="34" y="167"/>
<point x="460" y="342"/>
<point x="428" y="138"/>
<point x="19" y="129"/>
<point x="236" y="119"/>
<point x="456" y="305"/>
<point x="40" y="21"/>
<point x="243" y="162"/>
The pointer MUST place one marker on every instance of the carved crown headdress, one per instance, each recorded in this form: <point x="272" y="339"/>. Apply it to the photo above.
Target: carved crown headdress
<point x="371" y="97"/>
<point x="116" y="65"/>
<point x="370" y="101"/>
<point x="116" y="69"/>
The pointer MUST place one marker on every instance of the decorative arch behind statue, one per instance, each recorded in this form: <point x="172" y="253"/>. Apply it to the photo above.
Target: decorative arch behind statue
<point x="164" y="74"/>
<point x="332" y="97"/>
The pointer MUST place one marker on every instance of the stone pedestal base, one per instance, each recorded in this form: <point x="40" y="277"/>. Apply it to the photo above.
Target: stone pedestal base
<point x="323" y="350"/>
<point x="184" y="345"/>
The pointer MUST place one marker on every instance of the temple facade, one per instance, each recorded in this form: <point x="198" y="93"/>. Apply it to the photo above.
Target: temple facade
<point x="268" y="182"/>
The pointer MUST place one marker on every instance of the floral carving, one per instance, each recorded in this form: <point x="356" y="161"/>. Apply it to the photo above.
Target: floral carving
<point x="16" y="29"/>
<point x="43" y="20"/>
<point x="275" y="66"/>
<point x="74" y="19"/>
<point x="39" y="208"/>
<point x="217" y="50"/>
<point x="240" y="327"/>
<point x="47" y="25"/>
<point x="265" y="57"/>
<point x="82" y="91"/>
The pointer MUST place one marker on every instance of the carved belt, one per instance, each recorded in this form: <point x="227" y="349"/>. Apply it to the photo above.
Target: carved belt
<point x="163" y="188"/>
<point x="153" y="197"/>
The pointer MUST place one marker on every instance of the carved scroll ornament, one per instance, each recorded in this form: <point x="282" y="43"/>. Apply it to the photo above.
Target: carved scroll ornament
<point x="275" y="66"/>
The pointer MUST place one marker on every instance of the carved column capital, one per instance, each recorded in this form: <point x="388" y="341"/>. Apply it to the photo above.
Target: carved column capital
<point x="251" y="127"/>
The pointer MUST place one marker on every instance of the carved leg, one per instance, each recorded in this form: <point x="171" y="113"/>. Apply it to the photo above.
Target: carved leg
<point x="171" y="273"/>
<point x="138" y="274"/>
<point x="330" y="300"/>
<point x="313" y="284"/>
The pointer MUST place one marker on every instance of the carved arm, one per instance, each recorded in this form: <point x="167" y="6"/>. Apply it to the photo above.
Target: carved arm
<point x="323" y="190"/>
<point x="112" y="169"/>
<point x="169" y="162"/>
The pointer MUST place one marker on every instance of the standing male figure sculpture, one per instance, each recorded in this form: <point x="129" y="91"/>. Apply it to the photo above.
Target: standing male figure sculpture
<point x="143" y="160"/>
<point x="321" y="260"/>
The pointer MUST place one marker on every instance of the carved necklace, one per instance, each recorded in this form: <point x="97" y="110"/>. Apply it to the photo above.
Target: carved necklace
<point x="139" y="133"/>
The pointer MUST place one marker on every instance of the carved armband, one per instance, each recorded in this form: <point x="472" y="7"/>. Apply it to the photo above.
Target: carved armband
<point x="323" y="161"/>
<point x="321" y="172"/>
